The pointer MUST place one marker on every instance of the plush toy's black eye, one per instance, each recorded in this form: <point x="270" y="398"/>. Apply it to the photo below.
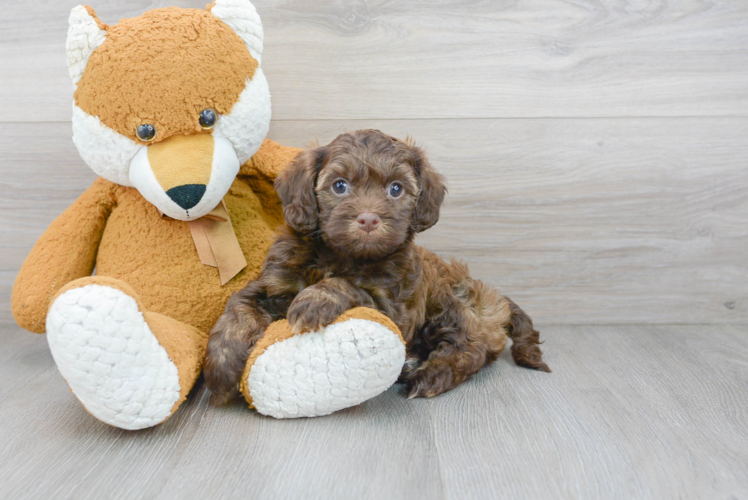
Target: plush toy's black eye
<point x="396" y="189"/>
<point x="340" y="187"/>
<point x="146" y="132"/>
<point x="208" y="118"/>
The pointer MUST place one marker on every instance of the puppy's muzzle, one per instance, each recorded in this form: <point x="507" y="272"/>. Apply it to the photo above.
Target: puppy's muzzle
<point x="368" y="221"/>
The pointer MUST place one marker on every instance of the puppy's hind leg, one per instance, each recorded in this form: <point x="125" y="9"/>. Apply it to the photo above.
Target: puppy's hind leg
<point x="525" y="339"/>
<point x="496" y="317"/>
<point x="449" y="364"/>
<point x="469" y="332"/>
<point x="464" y="333"/>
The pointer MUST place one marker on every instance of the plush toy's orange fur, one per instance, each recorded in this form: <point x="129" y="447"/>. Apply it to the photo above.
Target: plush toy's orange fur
<point x="152" y="259"/>
<point x="125" y="238"/>
<point x="138" y="53"/>
<point x="113" y="230"/>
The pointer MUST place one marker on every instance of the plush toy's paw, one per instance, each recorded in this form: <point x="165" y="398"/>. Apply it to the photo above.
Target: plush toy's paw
<point x="110" y="358"/>
<point x="354" y="359"/>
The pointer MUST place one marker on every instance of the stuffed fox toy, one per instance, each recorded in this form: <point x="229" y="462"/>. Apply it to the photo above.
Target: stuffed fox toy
<point x="171" y="110"/>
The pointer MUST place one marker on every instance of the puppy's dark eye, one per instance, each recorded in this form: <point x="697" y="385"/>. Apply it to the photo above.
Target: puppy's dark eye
<point x="340" y="187"/>
<point x="396" y="189"/>
<point x="146" y="132"/>
<point x="208" y="118"/>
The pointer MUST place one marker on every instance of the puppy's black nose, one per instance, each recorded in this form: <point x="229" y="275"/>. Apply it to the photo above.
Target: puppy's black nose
<point x="188" y="195"/>
<point x="368" y="221"/>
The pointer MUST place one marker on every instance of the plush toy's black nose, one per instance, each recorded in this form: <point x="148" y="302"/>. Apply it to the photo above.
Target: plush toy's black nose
<point x="187" y="196"/>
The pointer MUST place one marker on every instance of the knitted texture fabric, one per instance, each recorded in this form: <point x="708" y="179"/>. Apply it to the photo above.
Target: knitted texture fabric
<point x="316" y="373"/>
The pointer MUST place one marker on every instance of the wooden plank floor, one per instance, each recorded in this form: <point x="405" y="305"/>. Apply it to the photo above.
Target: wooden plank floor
<point x="629" y="412"/>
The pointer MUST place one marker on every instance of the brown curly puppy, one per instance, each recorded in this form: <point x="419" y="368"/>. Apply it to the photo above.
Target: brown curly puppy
<point x="352" y="209"/>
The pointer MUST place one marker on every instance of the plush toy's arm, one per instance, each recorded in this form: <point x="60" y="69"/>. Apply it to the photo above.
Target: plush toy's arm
<point x="261" y="170"/>
<point x="65" y="252"/>
<point x="269" y="161"/>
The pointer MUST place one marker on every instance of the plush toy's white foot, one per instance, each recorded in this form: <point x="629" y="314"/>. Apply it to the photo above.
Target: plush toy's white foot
<point x="110" y="358"/>
<point x="317" y="373"/>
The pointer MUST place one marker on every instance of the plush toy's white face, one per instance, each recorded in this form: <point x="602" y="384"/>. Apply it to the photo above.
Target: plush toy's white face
<point x="171" y="102"/>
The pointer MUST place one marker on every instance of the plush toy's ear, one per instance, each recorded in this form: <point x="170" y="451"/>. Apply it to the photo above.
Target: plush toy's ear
<point x="431" y="194"/>
<point x="243" y="18"/>
<point x="85" y="34"/>
<point x="295" y="187"/>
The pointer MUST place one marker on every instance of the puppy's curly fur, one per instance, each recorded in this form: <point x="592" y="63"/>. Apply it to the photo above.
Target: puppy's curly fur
<point x="352" y="209"/>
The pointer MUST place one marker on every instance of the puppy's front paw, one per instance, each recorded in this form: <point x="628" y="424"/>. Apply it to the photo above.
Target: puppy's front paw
<point x="312" y="309"/>
<point x="430" y="379"/>
<point x="412" y="362"/>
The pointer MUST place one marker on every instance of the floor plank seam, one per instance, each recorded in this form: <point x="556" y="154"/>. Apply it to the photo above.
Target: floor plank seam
<point x="438" y="455"/>
<point x="457" y="118"/>
<point x="203" y="405"/>
<point x="616" y="325"/>
<point x="509" y="118"/>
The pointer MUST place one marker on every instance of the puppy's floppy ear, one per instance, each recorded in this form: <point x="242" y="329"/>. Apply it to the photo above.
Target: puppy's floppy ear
<point x="295" y="187"/>
<point x="431" y="194"/>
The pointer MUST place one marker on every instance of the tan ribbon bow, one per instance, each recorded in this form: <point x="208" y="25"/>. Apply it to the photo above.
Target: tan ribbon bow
<point x="216" y="243"/>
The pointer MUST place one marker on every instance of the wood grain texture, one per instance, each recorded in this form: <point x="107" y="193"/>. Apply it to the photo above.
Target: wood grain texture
<point x="450" y="59"/>
<point x="590" y="221"/>
<point x="649" y="412"/>
<point x="631" y="412"/>
<point x="381" y="449"/>
<point x="580" y="221"/>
